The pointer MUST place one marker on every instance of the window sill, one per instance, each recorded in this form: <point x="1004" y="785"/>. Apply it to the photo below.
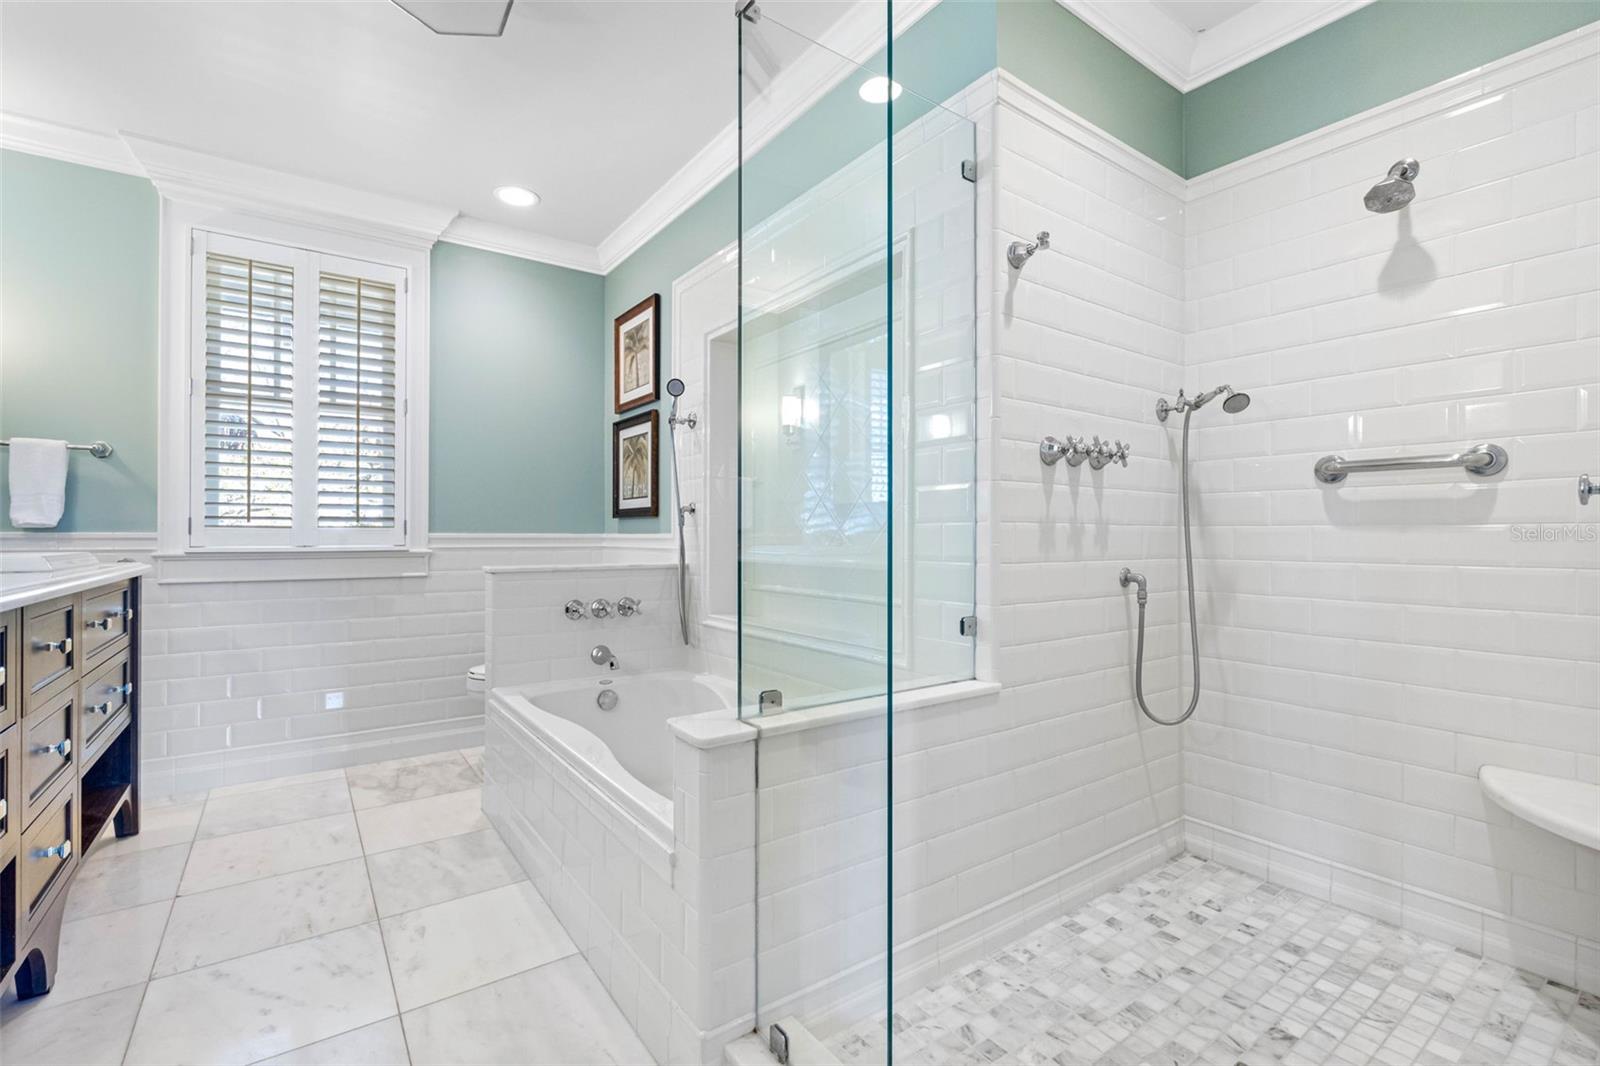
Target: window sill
<point x="210" y="566"/>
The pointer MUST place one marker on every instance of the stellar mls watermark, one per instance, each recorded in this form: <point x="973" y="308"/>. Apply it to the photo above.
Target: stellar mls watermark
<point x="1559" y="533"/>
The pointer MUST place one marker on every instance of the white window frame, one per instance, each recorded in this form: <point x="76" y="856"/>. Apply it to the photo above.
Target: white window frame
<point x="187" y="551"/>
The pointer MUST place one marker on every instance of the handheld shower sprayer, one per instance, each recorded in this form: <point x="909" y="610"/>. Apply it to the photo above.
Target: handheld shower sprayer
<point x="675" y="390"/>
<point x="1233" y="404"/>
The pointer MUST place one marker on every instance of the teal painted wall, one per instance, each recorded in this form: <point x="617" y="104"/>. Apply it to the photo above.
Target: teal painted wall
<point x="517" y="369"/>
<point x="1382" y="52"/>
<point x="1060" y="55"/>
<point x="78" y="332"/>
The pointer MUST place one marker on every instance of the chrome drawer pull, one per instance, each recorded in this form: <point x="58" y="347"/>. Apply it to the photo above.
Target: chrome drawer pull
<point x="3" y="808"/>
<point x="102" y="708"/>
<point x="122" y="690"/>
<point x="64" y="645"/>
<point x="63" y="749"/>
<point x="62" y="850"/>
<point x="98" y="623"/>
<point x="2" y="675"/>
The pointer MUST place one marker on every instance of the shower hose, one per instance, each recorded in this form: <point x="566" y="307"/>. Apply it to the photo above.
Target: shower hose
<point x="1194" y="632"/>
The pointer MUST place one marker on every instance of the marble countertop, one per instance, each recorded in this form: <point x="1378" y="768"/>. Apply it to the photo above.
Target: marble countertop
<point x="21" y="589"/>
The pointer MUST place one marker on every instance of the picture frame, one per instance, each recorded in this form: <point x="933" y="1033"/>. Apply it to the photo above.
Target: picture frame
<point x="636" y="354"/>
<point x="636" y="466"/>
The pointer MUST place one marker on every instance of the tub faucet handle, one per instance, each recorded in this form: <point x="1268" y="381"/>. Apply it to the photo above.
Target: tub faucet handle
<point x="627" y="607"/>
<point x="575" y="610"/>
<point x="600" y="608"/>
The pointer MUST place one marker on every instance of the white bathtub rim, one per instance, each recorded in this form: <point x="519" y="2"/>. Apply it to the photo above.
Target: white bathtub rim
<point x="588" y="758"/>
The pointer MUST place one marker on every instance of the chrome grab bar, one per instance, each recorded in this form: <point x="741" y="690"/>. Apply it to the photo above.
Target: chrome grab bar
<point x="1480" y="460"/>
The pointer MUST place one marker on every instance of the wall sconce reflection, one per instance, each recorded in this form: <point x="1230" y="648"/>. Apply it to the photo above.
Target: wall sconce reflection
<point x="792" y="414"/>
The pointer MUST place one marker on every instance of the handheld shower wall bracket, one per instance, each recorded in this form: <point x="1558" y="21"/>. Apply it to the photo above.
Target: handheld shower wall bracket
<point x="1019" y="252"/>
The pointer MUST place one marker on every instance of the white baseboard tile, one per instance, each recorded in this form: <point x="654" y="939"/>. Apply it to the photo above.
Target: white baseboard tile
<point x="1308" y="876"/>
<point x="190" y="774"/>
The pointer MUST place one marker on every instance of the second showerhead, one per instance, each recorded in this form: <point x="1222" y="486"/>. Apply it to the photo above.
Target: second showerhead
<point x="1233" y="404"/>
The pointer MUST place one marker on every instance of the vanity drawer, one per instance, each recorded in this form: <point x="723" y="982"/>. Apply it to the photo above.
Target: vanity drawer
<point x="9" y="704"/>
<point x="106" y="696"/>
<point x="48" y="854"/>
<point x="48" y="655"/>
<point x="10" y="803"/>
<point x="49" y="751"/>
<point x="107" y="619"/>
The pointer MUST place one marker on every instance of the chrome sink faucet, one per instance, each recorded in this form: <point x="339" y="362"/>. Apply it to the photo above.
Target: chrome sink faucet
<point x="601" y="656"/>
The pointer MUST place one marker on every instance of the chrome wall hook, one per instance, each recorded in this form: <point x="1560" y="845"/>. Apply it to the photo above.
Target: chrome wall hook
<point x="1019" y="252"/>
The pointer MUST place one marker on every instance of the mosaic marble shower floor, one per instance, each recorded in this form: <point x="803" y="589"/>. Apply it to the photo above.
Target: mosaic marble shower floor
<point x="1199" y="963"/>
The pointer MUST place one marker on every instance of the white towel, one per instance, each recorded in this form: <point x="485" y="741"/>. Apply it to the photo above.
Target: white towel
<point x="38" y="482"/>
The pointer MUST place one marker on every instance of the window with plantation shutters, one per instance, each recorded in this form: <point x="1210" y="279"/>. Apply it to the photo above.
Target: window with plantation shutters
<point x="298" y="398"/>
<point x="356" y="402"/>
<point x="249" y="392"/>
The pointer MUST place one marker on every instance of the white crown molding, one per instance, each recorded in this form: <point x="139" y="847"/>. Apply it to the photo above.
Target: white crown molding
<point x="1462" y="90"/>
<point x="184" y="175"/>
<point x="66" y="143"/>
<point x="1025" y="100"/>
<point x="856" y="36"/>
<point x="524" y="244"/>
<point x="1187" y="60"/>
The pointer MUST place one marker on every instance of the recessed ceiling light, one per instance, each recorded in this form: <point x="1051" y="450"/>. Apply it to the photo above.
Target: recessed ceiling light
<point x="516" y="196"/>
<point x="880" y="90"/>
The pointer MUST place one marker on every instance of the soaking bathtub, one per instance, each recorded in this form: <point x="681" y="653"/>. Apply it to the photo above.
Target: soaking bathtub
<point x="624" y="753"/>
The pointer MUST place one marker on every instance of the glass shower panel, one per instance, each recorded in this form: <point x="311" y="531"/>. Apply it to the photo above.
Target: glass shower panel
<point x="817" y="339"/>
<point x="815" y="363"/>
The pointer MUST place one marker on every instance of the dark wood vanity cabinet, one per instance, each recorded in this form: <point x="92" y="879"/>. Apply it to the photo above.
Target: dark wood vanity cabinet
<point x="69" y="759"/>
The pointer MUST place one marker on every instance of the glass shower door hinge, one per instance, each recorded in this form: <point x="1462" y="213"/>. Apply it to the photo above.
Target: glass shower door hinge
<point x="969" y="169"/>
<point x="778" y="1043"/>
<point x="770" y="700"/>
<point x="969" y="626"/>
<point x="747" y="10"/>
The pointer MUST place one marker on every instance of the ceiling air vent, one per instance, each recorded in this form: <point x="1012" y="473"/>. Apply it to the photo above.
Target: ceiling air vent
<point x="460" y="18"/>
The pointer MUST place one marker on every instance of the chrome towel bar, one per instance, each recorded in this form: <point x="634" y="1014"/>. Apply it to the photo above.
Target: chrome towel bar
<point x="1480" y="460"/>
<point x="99" y="449"/>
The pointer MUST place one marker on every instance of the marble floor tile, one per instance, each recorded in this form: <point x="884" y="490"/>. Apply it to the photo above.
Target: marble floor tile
<point x="474" y="757"/>
<point x="400" y="780"/>
<point x="159" y="827"/>
<point x="271" y="783"/>
<point x="50" y="1032"/>
<point x="225" y="923"/>
<point x="232" y="860"/>
<point x="270" y="807"/>
<point x="440" y="870"/>
<point x="379" y="1044"/>
<point x="1198" y="963"/>
<point x="111" y="881"/>
<point x="264" y="1004"/>
<point x="105" y="952"/>
<point x="450" y="947"/>
<point x="577" y="1022"/>
<point x="417" y="821"/>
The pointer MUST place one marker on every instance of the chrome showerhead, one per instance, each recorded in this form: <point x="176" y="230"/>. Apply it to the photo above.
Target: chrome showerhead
<point x="1236" y="402"/>
<point x="675" y="387"/>
<point x="1396" y="190"/>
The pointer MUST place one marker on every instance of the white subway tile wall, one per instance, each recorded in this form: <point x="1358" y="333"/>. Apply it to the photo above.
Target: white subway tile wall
<point x="1370" y="645"/>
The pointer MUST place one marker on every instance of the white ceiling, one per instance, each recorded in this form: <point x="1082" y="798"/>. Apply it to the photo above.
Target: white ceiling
<point x="593" y="105"/>
<point x="1201" y="15"/>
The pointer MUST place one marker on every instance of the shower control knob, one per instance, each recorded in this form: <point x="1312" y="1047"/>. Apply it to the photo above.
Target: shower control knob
<point x="1077" y="451"/>
<point x="627" y="607"/>
<point x="600" y="608"/>
<point x="1099" y="454"/>
<point x="575" y="610"/>
<point x="1122" y="453"/>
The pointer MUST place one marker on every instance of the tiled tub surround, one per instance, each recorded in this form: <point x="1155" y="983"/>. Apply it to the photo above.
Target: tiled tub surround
<point x="360" y="915"/>
<point x="1198" y="963"/>
<point x="1370" y="645"/>
<point x="530" y="638"/>
<point x="656" y="890"/>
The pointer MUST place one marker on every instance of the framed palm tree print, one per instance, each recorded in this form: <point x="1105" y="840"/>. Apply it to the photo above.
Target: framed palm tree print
<point x="636" y="355"/>
<point x="635" y="473"/>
